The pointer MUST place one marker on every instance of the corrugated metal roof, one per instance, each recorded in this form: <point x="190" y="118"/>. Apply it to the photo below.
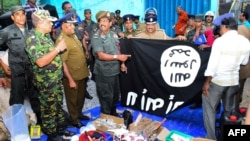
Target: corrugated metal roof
<point x="166" y="10"/>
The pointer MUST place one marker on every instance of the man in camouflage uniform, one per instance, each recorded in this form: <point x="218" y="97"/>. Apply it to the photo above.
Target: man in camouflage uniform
<point x="47" y="65"/>
<point x="19" y="63"/>
<point x="75" y="71"/>
<point x="107" y="65"/>
<point x="128" y="25"/>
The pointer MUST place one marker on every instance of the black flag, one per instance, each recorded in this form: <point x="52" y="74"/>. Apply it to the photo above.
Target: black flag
<point x="162" y="74"/>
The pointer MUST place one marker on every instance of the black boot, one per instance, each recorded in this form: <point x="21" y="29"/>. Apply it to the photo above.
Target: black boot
<point x="65" y="133"/>
<point x="54" y="137"/>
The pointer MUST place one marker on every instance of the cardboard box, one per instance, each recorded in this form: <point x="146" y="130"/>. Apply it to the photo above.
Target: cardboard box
<point x="140" y="126"/>
<point x="108" y="122"/>
<point x="162" y="133"/>
<point x="148" y="128"/>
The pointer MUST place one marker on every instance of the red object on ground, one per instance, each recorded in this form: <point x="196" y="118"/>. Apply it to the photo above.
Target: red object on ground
<point x="88" y="136"/>
<point x="233" y="118"/>
<point x="242" y="110"/>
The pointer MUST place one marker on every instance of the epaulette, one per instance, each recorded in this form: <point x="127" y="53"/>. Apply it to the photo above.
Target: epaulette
<point x="139" y="31"/>
<point x="96" y="35"/>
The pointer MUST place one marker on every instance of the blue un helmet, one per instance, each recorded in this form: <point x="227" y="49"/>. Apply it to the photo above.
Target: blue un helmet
<point x="150" y="12"/>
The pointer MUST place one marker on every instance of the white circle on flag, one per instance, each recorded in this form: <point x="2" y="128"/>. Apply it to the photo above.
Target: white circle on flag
<point x="180" y="65"/>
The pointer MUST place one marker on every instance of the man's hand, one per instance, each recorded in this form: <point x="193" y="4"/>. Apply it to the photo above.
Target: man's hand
<point x="61" y="45"/>
<point x="123" y="57"/>
<point x="3" y="82"/>
<point x="124" y="68"/>
<point x="72" y="84"/>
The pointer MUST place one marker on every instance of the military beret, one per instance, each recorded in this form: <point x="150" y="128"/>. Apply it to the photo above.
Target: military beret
<point x="198" y="17"/>
<point x="128" y="17"/>
<point x="102" y="14"/>
<point x="150" y="19"/>
<point x="191" y="16"/>
<point x="118" y="11"/>
<point x="87" y="11"/>
<point x="16" y="8"/>
<point x="68" y="18"/>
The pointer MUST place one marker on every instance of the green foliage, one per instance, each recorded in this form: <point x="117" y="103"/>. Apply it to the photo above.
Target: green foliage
<point x="7" y="4"/>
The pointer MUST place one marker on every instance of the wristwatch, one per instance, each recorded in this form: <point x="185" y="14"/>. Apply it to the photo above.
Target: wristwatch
<point x="115" y="57"/>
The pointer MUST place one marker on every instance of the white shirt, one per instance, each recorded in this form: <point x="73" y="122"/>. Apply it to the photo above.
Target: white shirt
<point x="228" y="52"/>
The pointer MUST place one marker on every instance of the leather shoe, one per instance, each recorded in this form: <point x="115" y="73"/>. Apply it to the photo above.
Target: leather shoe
<point x="88" y="96"/>
<point x="65" y="132"/>
<point x="54" y="138"/>
<point x="78" y="125"/>
<point x="83" y="117"/>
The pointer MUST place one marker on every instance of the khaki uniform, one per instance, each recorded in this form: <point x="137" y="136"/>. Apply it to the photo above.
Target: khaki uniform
<point x="75" y="60"/>
<point x="158" y="34"/>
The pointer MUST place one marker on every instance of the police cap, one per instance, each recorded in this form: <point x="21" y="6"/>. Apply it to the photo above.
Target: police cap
<point x="128" y="17"/>
<point x="118" y="11"/>
<point x="150" y="19"/>
<point x="68" y="18"/>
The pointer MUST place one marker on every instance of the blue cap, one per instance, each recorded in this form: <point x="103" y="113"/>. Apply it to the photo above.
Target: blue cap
<point x="128" y="17"/>
<point x="150" y="19"/>
<point x="151" y="11"/>
<point x="68" y="18"/>
<point x="218" y="20"/>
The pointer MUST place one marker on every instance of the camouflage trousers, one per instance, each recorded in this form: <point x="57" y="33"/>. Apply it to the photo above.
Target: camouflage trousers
<point x="4" y="133"/>
<point x="51" y="101"/>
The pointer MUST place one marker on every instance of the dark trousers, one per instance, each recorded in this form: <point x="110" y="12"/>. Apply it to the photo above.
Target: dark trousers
<point x="108" y="91"/>
<point x="22" y="87"/>
<point x="75" y="99"/>
<point x="239" y="94"/>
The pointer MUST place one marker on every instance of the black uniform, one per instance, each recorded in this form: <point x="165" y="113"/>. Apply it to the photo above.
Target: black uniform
<point x="20" y="66"/>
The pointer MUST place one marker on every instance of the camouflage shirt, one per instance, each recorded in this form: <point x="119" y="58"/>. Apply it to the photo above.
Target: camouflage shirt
<point x="39" y="45"/>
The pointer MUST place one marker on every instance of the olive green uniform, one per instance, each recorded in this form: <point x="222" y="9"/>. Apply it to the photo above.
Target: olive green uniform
<point x="48" y="80"/>
<point x="127" y="33"/>
<point x="107" y="72"/>
<point x="75" y="60"/>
